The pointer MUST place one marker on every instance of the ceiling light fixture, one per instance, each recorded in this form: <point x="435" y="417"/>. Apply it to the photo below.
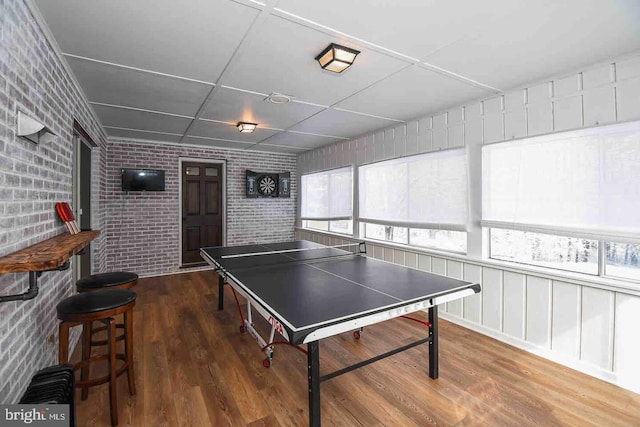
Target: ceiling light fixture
<point x="246" y="127"/>
<point x="278" y="98"/>
<point x="337" y="58"/>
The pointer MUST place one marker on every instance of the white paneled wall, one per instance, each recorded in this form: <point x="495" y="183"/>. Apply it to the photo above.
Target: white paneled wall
<point x="576" y="323"/>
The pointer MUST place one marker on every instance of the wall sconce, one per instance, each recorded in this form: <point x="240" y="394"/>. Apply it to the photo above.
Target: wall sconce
<point x="33" y="130"/>
<point x="337" y="58"/>
<point x="246" y="127"/>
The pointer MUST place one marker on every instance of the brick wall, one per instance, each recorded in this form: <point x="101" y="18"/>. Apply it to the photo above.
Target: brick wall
<point x="32" y="178"/>
<point x="143" y="227"/>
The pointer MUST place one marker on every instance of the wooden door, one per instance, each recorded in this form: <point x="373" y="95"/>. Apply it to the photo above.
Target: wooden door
<point x="201" y="209"/>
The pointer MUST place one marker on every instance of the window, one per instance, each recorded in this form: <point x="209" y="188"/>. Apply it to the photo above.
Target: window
<point x="623" y="260"/>
<point x="421" y="200"/>
<point x="326" y="200"/>
<point x="556" y="200"/>
<point x="545" y="250"/>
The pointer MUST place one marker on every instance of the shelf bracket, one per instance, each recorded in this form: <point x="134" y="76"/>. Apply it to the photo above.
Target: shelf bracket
<point x="32" y="292"/>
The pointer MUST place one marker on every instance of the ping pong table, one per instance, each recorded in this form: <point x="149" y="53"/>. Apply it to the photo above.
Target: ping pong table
<point x="307" y="292"/>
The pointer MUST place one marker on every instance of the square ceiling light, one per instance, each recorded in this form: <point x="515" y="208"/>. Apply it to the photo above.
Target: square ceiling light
<point x="337" y="58"/>
<point x="245" y="127"/>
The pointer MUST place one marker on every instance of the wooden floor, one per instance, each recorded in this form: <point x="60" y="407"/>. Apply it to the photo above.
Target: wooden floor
<point x="194" y="368"/>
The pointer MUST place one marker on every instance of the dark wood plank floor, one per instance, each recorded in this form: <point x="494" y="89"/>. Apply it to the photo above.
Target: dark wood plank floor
<point x="194" y="368"/>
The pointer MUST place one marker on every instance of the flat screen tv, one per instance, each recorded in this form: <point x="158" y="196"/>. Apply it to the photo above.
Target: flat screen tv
<point x="142" y="180"/>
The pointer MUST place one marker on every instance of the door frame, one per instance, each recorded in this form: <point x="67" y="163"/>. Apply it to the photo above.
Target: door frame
<point x="79" y="193"/>
<point x="221" y="162"/>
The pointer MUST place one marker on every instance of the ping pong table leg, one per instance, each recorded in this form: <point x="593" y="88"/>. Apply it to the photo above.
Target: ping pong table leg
<point x="433" y="343"/>
<point x="220" y="291"/>
<point x="313" y="369"/>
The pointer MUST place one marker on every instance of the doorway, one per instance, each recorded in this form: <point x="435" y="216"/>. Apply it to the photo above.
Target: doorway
<point x="81" y="200"/>
<point x="202" y="188"/>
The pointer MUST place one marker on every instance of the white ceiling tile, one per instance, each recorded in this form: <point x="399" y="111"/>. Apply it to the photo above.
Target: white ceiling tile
<point x="230" y="105"/>
<point x="140" y="120"/>
<point x="195" y="39"/>
<point x="341" y="123"/>
<point x="134" y="134"/>
<point x="280" y="58"/>
<point x="411" y="27"/>
<point x="277" y="148"/>
<point x="228" y="132"/>
<point x="302" y="140"/>
<point x="411" y="93"/>
<point x="217" y="143"/>
<point x="108" y="84"/>
<point x="544" y="38"/>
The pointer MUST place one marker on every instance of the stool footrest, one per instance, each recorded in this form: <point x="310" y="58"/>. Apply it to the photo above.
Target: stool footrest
<point x="104" y="379"/>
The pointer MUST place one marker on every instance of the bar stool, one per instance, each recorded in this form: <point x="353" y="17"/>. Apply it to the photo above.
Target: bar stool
<point x="101" y="305"/>
<point x="110" y="280"/>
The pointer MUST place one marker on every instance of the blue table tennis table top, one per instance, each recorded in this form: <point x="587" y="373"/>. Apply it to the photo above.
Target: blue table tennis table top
<point x="307" y="286"/>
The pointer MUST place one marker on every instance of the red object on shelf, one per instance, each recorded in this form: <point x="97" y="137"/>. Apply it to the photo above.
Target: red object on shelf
<point x="66" y="215"/>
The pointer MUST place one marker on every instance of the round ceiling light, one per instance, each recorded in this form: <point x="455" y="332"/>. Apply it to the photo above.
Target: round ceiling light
<point x="278" y="98"/>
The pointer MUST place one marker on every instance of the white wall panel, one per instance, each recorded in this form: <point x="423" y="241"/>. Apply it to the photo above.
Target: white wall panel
<point x="473" y="304"/>
<point x="626" y="363"/>
<point x="568" y="113"/>
<point x="399" y="257"/>
<point x="455" y="116"/>
<point x="596" y="77"/>
<point x="439" y="266"/>
<point x="389" y="144"/>
<point x="538" y="317"/>
<point x="493" y="105"/>
<point x="515" y="123"/>
<point x="424" y="262"/>
<point x="411" y="259"/>
<point x="378" y="252"/>
<point x="440" y="132"/>
<point x="565" y="327"/>
<point x="628" y="68"/>
<point x="425" y="135"/>
<point x="599" y="106"/>
<point x="473" y="131"/>
<point x="361" y="151"/>
<point x="399" y="140"/>
<point x="597" y="327"/>
<point x="492" y="298"/>
<point x="514" y="100"/>
<point x="455" y="136"/>
<point x="566" y="86"/>
<point x="493" y="128"/>
<point x="514" y="304"/>
<point x="388" y="254"/>
<point x="412" y="138"/>
<point x="539" y="118"/>
<point x="454" y="270"/>
<point x="628" y="97"/>
<point x="539" y="93"/>
<point x="378" y="146"/>
<point x="371" y="148"/>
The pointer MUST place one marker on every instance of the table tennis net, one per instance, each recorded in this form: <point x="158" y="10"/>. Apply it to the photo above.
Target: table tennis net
<point x="283" y="256"/>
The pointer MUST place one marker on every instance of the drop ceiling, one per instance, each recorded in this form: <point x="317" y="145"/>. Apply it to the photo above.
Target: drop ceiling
<point x="187" y="72"/>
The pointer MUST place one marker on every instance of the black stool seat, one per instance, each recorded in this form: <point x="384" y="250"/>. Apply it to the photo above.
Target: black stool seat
<point x="92" y="302"/>
<point x="105" y="280"/>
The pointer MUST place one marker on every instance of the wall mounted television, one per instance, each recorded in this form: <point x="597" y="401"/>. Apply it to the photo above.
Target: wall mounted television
<point x="142" y="180"/>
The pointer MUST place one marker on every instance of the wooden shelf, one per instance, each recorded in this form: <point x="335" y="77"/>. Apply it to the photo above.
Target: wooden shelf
<point x="47" y="255"/>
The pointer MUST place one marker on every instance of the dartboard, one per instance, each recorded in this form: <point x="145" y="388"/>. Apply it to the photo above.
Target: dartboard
<point x="267" y="185"/>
